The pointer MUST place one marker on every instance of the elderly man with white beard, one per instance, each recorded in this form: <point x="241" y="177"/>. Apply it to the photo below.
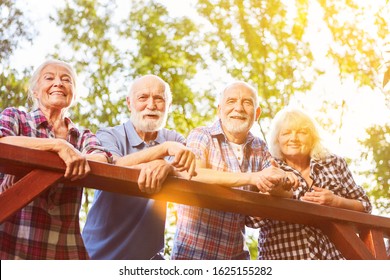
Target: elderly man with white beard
<point x="227" y="154"/>
<point x="121" y="227"/>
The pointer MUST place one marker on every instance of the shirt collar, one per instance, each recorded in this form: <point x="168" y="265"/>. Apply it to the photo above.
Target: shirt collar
<point x="216" y="130"/>
<point x="39" y="117"/>
<point x="41" y="120"/>
<point x="136" y="140"/>
<point x="314" y="163"/>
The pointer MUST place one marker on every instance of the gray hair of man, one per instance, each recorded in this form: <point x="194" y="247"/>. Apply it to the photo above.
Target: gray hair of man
<point x="37" y="74"/>
<point x="252" y="88"/>
<point x="167" y="88"/>
<point x="297" y="119"/>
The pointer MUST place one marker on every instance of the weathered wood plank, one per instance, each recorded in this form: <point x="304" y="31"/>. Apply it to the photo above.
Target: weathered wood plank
<point x="374" y="241"/>
<point x="347" y="242"/>
<point x="341" y="224"/>
<point x="25" y="190"/>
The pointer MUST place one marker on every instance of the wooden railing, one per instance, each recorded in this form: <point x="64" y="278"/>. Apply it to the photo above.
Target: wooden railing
<point x="357" y="235"/>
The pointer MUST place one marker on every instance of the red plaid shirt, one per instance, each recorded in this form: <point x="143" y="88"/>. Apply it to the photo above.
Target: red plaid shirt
<point x="48" y="227"/>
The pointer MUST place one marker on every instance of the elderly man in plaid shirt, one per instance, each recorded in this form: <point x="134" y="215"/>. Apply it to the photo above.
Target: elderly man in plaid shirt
<point x="227" y="154"/>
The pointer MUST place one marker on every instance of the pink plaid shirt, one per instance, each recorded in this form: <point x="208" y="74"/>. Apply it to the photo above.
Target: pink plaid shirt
<point x="210" y="234"/>
<point x="48" y="227"/>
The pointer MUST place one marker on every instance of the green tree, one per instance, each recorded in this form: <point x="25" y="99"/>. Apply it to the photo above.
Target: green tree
<point x="15" y="29"/>
<point x="110" y="51"/>
<point x="90" y="33"/>
<point x="260" y="45"/>
<point x="171" y="48"/>
<point x="377" y="154"/>
<point x="271" y="43"/>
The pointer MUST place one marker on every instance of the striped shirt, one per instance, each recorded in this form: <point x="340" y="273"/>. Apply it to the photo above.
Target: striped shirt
<point x="210" y="234"/>
<point x="279" y="240"/>
<point x="48" y="227"/>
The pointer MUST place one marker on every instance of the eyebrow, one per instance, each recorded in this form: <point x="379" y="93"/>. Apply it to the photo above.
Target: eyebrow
<point x="52" y="73"/>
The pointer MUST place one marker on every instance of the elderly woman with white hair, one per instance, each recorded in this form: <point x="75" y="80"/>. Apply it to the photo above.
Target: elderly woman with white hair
<point x="48" y="227"/>
<point x="324" y="178"/>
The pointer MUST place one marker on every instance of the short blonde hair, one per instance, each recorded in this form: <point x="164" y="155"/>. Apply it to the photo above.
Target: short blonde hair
<point x="37" y="73"/>
<point x="298" y="119"/>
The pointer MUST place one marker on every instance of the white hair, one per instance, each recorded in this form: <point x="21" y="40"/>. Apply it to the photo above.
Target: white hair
<point x="37" y="73"/>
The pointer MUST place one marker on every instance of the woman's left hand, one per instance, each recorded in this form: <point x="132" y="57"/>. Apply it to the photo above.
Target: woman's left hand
<point x="321" y="196"/>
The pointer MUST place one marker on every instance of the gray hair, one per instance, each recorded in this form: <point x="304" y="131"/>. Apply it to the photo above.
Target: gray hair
<point x="252" y="88"/>
<point x="297" y="118"/>
<point x="167" y="88"/>
<point x="37" y="73"/>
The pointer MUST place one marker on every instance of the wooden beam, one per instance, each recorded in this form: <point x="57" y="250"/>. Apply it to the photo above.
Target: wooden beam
<point x="124" y="180"/>
<point x="347" y="242"/>
<point x="341" y="225"/>
<point x="25" y="190"/>
<point x="375" y="242"/>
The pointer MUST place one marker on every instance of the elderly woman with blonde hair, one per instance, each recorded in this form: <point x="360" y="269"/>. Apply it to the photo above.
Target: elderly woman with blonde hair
<point x="324" y="178"/>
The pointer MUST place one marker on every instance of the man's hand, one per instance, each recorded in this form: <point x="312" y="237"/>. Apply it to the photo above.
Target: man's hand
<point x="184" y="159"/>
<point x="273" y="179"/>
<point x="153" y="175"/>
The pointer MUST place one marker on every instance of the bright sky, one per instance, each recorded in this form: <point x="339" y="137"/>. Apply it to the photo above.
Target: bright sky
<point x="365" y="107"/>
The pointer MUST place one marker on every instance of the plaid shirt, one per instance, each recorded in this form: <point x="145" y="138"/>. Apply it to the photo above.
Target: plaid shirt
<point x="48" y="227"/>
<point x="210" y="234"/>
<point x="282" y="240"/>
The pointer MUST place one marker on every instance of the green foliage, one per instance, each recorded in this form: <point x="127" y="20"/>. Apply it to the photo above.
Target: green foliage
<point x="354" y="49"/>
<point x="13" y="90"/>
<point x="171" y="48"/>
<point x="110" y="51"/>
<point x="89" y="30"/>
<point x="15" y="29"/>
<point x="260" y="45"/>
<point x="378" y="154"/>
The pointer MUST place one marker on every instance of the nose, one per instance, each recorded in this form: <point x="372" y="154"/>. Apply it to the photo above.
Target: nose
<point x="58" y="82"/>
<point x="238" y="107"/>
<point x="151" y="104"/>
<point x="294" y="135"/>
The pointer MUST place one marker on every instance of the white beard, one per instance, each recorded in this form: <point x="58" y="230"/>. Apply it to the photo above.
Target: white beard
<point x="232" y="127"/>
<point x="137" y="118"/>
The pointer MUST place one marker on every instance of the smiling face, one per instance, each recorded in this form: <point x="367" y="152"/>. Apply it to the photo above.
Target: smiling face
<point x="238" y="111"/>
<point x="148" y="104"/>
<point x="295" y="140"/>
<point x="55" y="88"/>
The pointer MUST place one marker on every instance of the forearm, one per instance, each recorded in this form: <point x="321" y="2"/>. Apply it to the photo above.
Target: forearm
<point x="146" y="155"/>
<point x="43" y="144"/>
<point x="214" y="177"/>
<point x="350" y="204"/>
<point x="101" y="157"/>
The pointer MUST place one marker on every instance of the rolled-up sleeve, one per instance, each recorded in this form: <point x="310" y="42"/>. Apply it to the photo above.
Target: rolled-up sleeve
<point x="92" y="145"/>
<point x="9" y="122"/>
